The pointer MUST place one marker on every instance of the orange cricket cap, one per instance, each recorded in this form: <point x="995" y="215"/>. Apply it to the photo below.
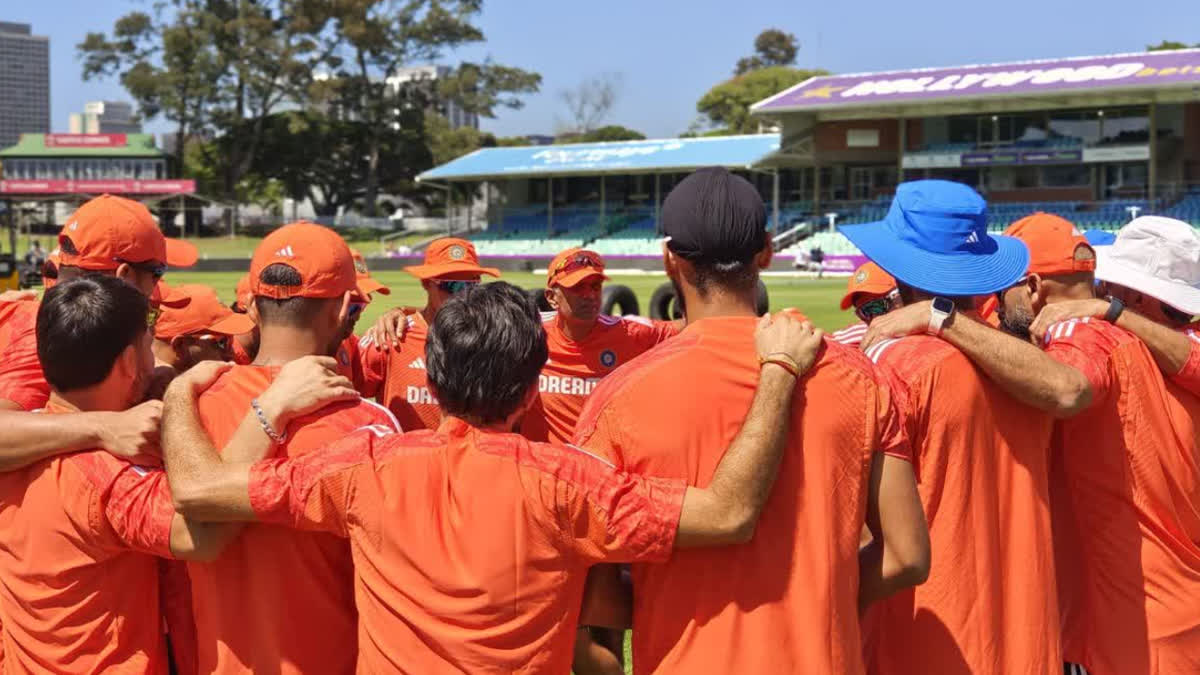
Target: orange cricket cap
<point x="450" y="256"/>
<point x="317" y="253"/>
<point x="107" y="231"/>
<point x="366" y="283"/>
<point x="50" y="268"/>
<point x="1055" y="245"/>
<point x="242" y="293"/>
<point x="573" y="266"/>
<point x="868" y="279"/>
<point x="165" y="296"/>
<point x="203" y="314"/>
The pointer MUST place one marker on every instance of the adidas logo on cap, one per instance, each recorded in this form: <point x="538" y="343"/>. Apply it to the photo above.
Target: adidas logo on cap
<point x="285" y="252"/>
<point x="417" y="363"/>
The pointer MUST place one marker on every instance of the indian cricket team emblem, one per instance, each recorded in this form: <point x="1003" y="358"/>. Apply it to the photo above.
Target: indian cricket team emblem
<point x="457" y="252"/>
<point x="608" y="358"/>
<point x="860" y="277"/>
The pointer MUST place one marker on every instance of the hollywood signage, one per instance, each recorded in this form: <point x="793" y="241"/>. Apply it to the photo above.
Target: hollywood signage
<point x="1130" y="70"/>
<point x="86" y="140"/>
<point x="136" y="187"/>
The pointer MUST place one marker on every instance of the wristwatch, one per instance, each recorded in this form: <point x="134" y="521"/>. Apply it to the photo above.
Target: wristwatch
<point x="1115" y="307"/>
<point x="939" y="312"/>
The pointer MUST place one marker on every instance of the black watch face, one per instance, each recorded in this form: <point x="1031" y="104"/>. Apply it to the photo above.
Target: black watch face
<point x="943" y="305"/>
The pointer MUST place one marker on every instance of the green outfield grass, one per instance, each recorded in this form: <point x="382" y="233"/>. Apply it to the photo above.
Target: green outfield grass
<point x="817" y="298"/>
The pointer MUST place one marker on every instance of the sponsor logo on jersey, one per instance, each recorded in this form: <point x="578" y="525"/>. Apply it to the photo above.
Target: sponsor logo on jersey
<point x="608" y="358"/>
<point x="417" y="363"/>
<point x="419" y="395"/>
<point x="565" y="384"/>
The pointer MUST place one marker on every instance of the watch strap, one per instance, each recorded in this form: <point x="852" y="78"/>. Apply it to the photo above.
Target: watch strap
<point x="1115" y="308"/>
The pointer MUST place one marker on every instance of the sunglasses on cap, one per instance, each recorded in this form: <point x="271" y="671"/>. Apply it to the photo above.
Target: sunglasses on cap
<point x="456" y="286"/>
<point x="577" y="262"/>
<point x="877" y="306"/>
<point x="152" y="267"/>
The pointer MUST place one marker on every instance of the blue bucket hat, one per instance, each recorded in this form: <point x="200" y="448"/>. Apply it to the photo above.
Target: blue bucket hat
<point x="1100" y="237"/>
<point x="935" y="238"/>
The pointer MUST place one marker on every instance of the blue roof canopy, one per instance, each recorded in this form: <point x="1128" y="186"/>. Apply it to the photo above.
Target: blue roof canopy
<point x="622" y="157"/>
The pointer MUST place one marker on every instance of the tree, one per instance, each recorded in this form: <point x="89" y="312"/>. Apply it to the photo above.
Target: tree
<point x="215" y="66"/>
<point x="611" y="132"/>
<point x="728" y="104"/>
<point x="379" y="37"/>
<point x="772" y="47"/>
<point x="590" y="102"/>
<point x="1168" y="45"/>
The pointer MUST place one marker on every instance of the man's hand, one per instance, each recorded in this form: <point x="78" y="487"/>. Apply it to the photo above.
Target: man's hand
<point x="907" y="320"/>
<point x="133" y="434"/>
<point x="17" y="296"/>
<point x="198" y="378"/>
<point x="389" y="329"/>
<point x="1062" y="311"/>
<point x="791" y="336"/>
<point x="304" y="386"/>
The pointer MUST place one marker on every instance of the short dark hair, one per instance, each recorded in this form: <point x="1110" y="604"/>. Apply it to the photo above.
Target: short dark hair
<point x="295" y="312"/>
<point x="485" y="350"/>
<point x="83" y="326"/>
<point x="739" y="277"/>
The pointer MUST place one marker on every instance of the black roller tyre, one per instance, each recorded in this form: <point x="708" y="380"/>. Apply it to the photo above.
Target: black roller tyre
<point x="762" y="303"/>
<point x="664" y="306"/>
<point x="619" y="300"/>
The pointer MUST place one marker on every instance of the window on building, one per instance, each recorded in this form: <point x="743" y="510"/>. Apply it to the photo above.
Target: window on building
<point x="1076" y="175"/>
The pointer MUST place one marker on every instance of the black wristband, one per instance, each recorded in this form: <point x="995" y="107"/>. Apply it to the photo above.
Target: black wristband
<point x="1115" y="307"/>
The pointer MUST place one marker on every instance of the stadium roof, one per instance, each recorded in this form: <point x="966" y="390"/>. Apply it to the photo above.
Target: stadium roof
<point x="623" y="157"/>
<point x="1053" y="81"/>
<point x="114" y="145"/>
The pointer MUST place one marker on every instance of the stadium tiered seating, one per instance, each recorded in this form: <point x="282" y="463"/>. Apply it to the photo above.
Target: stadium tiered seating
<point x="1188" y="208"/>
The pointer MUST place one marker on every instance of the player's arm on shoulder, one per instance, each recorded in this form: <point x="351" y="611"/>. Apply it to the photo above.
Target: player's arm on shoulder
<point x="727" y="511"/>
<point x="1027" y="373"/>
<point x="211" y="486"/>
<point x="132" y="434"/>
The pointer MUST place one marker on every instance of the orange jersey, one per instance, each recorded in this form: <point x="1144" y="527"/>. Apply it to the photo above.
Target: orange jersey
<point x="397" y="377"/>
<point x="1129" y="475"/>
<point x="852" y="335"/>
<point x="79" y="583"/>
<point x="240" y="356"/>
<point x="575" y="368"/>
<point x="470" y="547"/>
<point x="21" y="377"/>
<point x="787" y="602"/>
<point x="349" y="361"/>
<point x="277" y="600"/>
<point x="982" y="461"/>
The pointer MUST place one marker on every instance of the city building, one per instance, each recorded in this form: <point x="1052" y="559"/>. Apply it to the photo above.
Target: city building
<point x="105" y="117"/>
<point x="24" y="82"/>
<point x="457" y="116"/>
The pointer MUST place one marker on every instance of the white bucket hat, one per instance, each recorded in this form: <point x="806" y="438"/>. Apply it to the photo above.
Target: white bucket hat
<point x="1157" y="256"/>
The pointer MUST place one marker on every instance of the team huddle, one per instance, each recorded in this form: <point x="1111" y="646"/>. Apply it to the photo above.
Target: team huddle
<point x="995" y="471"/>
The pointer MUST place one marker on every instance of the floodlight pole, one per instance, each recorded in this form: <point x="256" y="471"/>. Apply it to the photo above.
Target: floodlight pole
<point x="657" y="203"/>
<point x="602" y="200"/>
<point x="775" y="196"/>
<point x="1152" y="173"/>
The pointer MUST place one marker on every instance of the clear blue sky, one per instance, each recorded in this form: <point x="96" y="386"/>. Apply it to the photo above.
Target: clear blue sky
<point x="669" y="52"/>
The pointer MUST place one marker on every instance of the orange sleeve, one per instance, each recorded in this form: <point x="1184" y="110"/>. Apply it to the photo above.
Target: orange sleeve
<point x="21" y="378"/>
<point x="137" y="503"/>
<point x="663" y="330"/>
<point x="595" y="431"/>
<point x="313" y="491"/>
<point x="892" y="438"/>
<point x="1077" y="345"/>
<point x="371" y="368"/>
<point x="1188" y="377"/>
<point x="607" y="515"/>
